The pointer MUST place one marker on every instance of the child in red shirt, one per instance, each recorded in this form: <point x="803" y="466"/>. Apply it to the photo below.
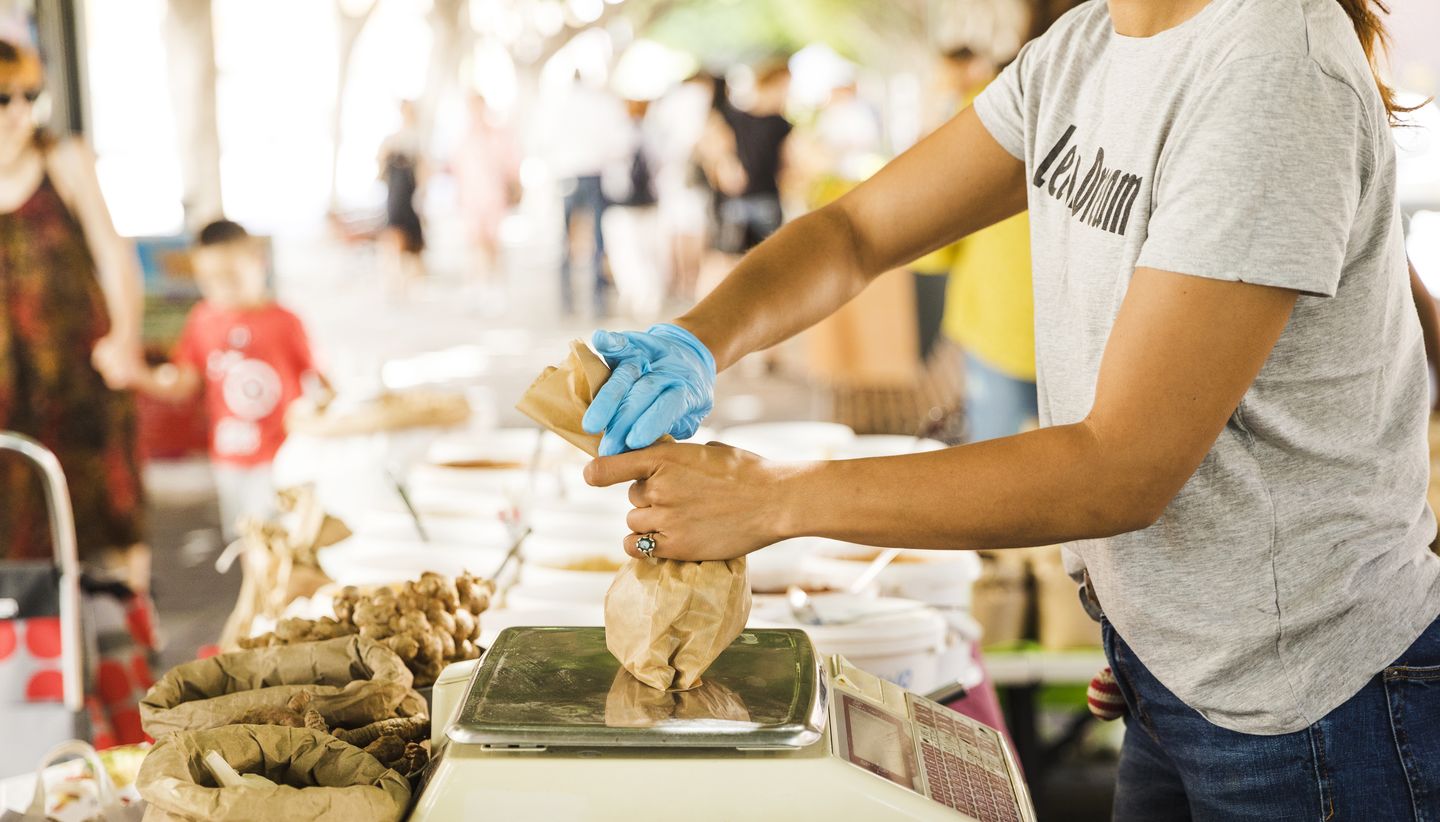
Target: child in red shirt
<point x="251" y="358"/>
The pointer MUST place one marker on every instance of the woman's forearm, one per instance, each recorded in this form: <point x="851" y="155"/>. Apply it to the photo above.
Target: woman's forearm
<point x="816" y="264"/>
<point x="790" y="282"/>
<point x="1039" y="488"/>
<point x="120" y="281"/>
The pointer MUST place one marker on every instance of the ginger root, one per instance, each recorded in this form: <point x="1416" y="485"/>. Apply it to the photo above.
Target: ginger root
<point x="407" y="728"/>
<point x="388" y="749"/>
<point x="271" y="715"/>
<point x="428" y="623"/>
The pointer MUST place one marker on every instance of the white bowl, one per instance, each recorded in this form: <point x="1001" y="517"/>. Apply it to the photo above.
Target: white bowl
<point x="805" y="440"/>
<point x="941" y="578"/>
<point x="363" y="560"/>
<point x="886" y="445"/>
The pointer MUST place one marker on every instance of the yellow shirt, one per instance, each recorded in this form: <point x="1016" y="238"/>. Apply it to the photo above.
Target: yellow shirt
<point x="990" y="302"/>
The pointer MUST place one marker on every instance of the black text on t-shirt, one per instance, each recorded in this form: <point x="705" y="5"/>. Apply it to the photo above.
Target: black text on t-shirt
<point x="1104" y="196"/>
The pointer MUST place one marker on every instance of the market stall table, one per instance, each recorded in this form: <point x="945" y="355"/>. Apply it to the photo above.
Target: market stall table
<point x="547" y="725"/>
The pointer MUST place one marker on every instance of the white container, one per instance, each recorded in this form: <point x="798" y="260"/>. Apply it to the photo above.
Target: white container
<point x="494" y="621"/>
<point x="531" y="597"/>
<point x="898" y="640"/>
<point x="790" y="440"/>
<point x="886" y="445"/>
<point x="502" y="445"/>
<point x="941" y="578"/>
<point x="775" y="568"/>
<point x="481" y="529"/>
<point x="362" y="560"/>
<point x="582" y="567"/>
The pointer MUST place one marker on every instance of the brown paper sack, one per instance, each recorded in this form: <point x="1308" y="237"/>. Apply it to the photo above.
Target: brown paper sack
<point x="317" y="777"/>
<point x="633" y="704"/>
<point x="559" y="396"/>
<point x="665" y="620"/>
<point x="353" y="681"/>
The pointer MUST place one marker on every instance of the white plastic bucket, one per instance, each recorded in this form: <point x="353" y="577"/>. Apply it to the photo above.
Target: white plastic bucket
<point x="940" y="578"/>
<point x="573" y="566"/>
<point x="898" y="640"/>
<point x="886" y="445"/>
<point x="363" y="560"/>
<point x="807" y="440"/>
<point x="494" y="621"/>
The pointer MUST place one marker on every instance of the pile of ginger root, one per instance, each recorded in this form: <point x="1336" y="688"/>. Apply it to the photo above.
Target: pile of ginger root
<point x="400" y="742"/>
<point x="429" y="623"/>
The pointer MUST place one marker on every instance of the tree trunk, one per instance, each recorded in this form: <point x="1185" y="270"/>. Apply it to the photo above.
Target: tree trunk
<point x="190" y="52"/>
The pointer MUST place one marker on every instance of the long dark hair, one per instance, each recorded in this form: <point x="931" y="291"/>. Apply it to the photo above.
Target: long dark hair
<point x="1367" y="15"/>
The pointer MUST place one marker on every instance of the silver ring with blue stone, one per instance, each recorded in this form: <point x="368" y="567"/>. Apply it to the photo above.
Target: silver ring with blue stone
<point x="646" y="545"/>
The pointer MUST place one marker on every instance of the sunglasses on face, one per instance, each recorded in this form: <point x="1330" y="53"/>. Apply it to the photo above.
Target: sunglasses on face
<point x="30" y="95"/>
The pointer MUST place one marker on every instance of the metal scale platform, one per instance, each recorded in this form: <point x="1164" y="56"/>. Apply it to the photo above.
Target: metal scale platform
<point x="547" y="725"/>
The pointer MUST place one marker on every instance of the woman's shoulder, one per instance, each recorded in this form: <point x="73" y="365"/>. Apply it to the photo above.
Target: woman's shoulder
<point x="69" y="153"/>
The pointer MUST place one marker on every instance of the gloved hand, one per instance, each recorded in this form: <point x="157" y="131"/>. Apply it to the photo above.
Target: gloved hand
<point x="662" y="381"/>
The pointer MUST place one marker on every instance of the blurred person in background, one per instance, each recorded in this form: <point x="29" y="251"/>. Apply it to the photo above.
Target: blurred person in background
<point x="249" y="357"/>
<point x="589" y="134"/>
<point x="957" y="76"/>
<point x="634" y="241"/>
<point x="748" y="206"/>
<point x="486" y="165"/>
<point x="70" y="321"/>
<point x="679" y="119"/>
<point x="69" y="337"/>
<point x="403" y="170"/>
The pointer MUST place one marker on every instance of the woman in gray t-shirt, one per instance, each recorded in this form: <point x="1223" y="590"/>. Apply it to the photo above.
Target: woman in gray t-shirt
<point x="1232" y="384"/>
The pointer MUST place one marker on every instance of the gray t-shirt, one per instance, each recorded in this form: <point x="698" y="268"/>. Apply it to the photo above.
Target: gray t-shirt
<point x="1247" y="144"/>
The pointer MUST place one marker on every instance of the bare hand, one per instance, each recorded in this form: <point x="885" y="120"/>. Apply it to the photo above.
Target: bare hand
<point x="700" y="501"/>
<point x="119" y="360"/>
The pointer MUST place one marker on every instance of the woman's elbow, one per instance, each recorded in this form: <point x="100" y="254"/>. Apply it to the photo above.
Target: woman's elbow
<point x="1133" y="504"/>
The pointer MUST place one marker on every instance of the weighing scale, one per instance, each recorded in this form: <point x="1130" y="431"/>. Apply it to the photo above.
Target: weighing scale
<point x="548" y="726"/>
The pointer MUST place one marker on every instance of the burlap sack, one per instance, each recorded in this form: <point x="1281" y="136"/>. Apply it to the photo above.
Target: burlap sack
<point x="665" y="621"/>
<point x="633" y="704"/>
<point x="317" y="777"/>
<point x="354" y="681"/>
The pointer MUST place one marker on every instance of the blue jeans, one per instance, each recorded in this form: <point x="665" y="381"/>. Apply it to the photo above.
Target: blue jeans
<point x="996" y="404"/>
<point x="584" y="194"/>
<point x="1376" y="757"/>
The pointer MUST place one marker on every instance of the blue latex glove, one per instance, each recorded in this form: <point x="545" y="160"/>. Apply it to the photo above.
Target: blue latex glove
<point x="662" y="381"/>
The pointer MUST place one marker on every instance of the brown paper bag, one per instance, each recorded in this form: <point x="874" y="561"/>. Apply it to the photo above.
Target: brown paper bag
<point x="665" y="621"/>
<point x="317" y="777"/>
<point x="353" y="682"/>
<point x="633" y="704"/>
<point x="559" y="396"/>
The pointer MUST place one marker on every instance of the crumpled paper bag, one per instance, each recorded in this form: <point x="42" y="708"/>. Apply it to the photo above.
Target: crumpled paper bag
<point x="665" y="620"/>
<point x="279" y="560"/>
<point x="559" y="396"/>
<point x="353" y="681"/>
<point x="317" y="777"/>
<point x="634" y="704"/>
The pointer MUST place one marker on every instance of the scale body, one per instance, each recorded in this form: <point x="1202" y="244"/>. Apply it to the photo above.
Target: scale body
<point x="548" y="726"/>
